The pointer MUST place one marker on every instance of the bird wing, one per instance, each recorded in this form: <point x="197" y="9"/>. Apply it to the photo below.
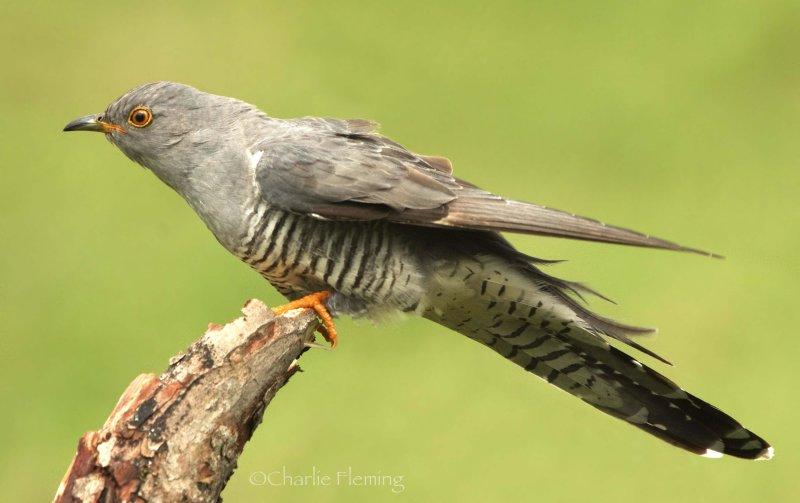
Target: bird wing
<point x="335" y="170"/>
<point x="342" y="169"/>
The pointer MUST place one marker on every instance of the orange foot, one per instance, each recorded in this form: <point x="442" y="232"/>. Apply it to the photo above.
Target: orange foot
<point x="315" y="301"/>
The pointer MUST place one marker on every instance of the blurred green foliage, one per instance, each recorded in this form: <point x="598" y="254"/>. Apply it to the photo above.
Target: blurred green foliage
<point x="676" y="118"/>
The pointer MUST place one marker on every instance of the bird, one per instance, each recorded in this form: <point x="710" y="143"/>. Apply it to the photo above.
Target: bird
<point x="345" y="221"/>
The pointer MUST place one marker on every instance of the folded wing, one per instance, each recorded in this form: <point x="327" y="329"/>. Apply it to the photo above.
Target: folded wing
<point x="342" y="169"/>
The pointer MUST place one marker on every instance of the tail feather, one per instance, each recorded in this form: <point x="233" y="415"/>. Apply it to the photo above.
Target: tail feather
<point x="611" y="328"/>
<point x="548" y="337"/>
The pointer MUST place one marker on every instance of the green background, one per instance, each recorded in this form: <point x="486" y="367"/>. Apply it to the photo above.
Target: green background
<point x="675" y="118"/>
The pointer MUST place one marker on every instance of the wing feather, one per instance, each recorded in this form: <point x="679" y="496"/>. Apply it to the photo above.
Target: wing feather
<point x="477" y="209"/>
<point x="342" y="169"/>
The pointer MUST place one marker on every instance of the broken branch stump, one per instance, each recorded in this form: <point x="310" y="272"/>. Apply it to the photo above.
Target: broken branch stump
<point x="177" y="436"/>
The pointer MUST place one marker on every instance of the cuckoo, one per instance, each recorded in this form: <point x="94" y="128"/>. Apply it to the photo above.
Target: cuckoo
<point x="343" y="220"/>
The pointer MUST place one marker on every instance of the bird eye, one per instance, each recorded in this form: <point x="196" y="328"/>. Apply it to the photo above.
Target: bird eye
<point x="140" y="117"/>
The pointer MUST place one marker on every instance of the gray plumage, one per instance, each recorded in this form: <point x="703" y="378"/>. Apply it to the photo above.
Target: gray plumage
<point x="318" y="204"/>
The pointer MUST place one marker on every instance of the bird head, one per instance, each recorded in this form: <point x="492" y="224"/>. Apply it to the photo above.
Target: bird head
<point x="169" y="127"/>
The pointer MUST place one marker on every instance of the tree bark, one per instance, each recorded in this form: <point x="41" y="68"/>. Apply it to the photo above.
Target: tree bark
<point x="176" y="437"/>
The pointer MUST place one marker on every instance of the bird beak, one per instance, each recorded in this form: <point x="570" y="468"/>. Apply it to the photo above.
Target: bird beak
<point x="95" y="123"/>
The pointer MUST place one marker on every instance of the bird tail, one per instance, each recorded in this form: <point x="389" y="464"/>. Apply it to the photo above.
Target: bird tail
<point x="524" y="315"/>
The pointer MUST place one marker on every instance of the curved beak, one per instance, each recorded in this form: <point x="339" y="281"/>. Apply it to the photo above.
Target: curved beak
<point x="95" y="123"/>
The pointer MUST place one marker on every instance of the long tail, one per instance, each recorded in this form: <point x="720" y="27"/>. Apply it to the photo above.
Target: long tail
<point x="515" y="310"/>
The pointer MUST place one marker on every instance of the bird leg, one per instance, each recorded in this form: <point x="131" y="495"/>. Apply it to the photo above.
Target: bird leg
<point x="315" y="301"/>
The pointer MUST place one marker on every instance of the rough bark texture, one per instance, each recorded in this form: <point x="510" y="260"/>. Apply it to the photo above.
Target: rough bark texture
<point x="176" y="437"/>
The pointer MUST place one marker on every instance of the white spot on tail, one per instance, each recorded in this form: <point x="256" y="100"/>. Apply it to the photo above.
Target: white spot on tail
<point x="768" y="454"/>
<point x="712" y="454"/>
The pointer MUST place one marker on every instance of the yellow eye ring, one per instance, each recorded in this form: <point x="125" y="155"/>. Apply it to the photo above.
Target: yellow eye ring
<point x="140" y="116"/>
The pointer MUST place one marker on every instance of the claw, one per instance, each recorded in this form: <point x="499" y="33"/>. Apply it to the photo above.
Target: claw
<point x="315" y="301"/>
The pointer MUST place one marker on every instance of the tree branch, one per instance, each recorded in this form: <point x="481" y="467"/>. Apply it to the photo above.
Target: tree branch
<point x="177" y="437"/>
